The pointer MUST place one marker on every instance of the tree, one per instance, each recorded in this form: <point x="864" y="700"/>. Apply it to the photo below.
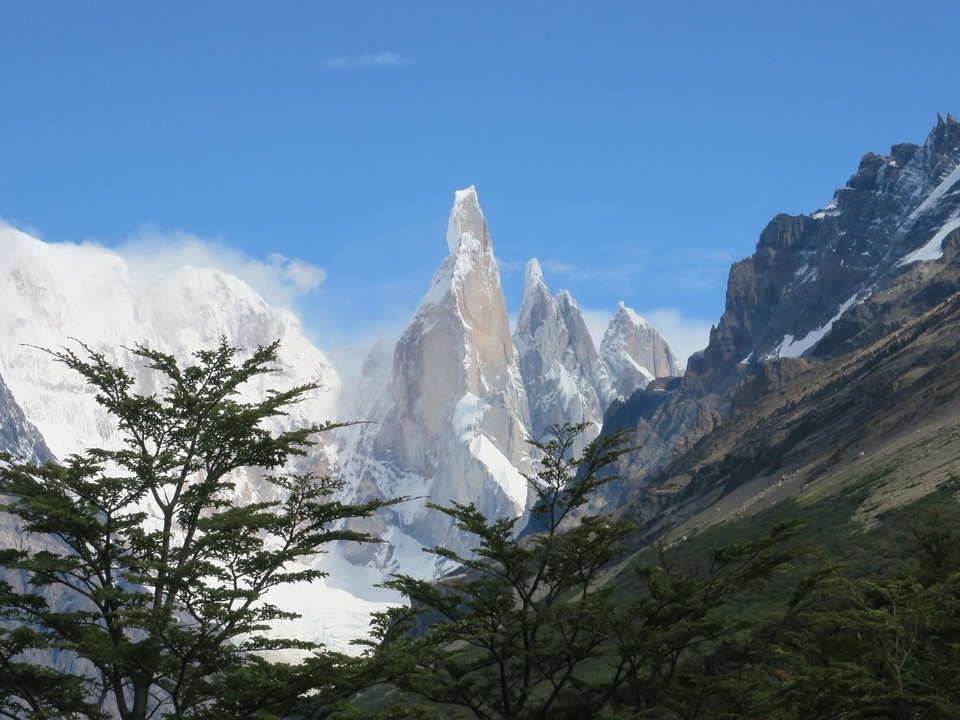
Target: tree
<point x="519" y="630"/>
<point x="160" y="571"/>
<point x="28" y="688"/>
<point x="699" y="641"/>
<point x="884" y="646"/>
<point x="544" y="626"/>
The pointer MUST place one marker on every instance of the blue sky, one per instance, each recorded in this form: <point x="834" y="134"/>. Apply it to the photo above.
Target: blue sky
<point x="636" y="148"/>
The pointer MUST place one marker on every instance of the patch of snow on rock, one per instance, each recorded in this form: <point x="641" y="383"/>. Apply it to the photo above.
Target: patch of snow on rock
<point x="791" y="348"/>
<point x="933" y="250"/>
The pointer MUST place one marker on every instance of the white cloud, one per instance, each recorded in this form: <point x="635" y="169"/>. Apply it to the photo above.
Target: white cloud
<point x="558" y="267"/>
<point x="384" y="59"/>
<point x="282" y="281"/>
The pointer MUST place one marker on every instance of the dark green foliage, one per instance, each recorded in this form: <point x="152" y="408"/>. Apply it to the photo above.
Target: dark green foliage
<point x="685" y="639"/>
<point x="161" y="572"/>
<point x="746" y="620"/>
<point x="28" y="689"/>
<point x="512" y="633"/>
<point x="876" y="636"/>
<point x="882" y="646"/>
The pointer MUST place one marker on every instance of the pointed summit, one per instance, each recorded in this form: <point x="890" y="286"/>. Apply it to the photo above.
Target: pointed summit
<point x="454" y="416"/>
<point x="634" y="353"/>
<point x="467" y="228"/>
<point x="558" y="360"/>
<point x="534" y="273"/>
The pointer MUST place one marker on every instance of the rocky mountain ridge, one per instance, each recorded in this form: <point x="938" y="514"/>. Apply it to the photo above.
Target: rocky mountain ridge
<point x="19" y="436"/>
<point x="837" y="329"/>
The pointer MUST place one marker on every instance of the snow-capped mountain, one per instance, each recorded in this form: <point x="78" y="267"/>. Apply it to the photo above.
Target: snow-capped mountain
<point x="50" y="293"/>
<point x="634" y="353"/>
<point x="561" y="370"/>
<point x="462" y="395"/>
<point x="453" y="421"/>
<point x="54" y="295"/>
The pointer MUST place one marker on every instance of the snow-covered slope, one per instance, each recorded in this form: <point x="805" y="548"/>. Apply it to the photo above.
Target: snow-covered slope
<point x="56" y="294"/>
<point x="50" y="293"/>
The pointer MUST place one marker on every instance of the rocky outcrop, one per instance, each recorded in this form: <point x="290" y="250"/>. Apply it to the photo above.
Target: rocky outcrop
<point x="18" y="436"/>
<point x="561" y="369"/>
<point x="454" y="417"/>
<point x="634" y="353"/>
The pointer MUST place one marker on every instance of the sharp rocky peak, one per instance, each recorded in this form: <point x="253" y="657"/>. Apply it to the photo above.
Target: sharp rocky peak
<point x="467" y="228"/>
<point x="561" y="372"/>
<point x="534" y="273"/>
<point x="634" y="353"/>
<point x="454" y="415"/>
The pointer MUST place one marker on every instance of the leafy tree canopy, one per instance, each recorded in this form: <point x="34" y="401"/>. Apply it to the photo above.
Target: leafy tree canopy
<point x="161" y="573"/>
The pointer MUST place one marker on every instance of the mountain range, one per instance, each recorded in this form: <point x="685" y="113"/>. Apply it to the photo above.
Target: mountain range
<point x="835" y="357"/>
<point x="448" y="407"/>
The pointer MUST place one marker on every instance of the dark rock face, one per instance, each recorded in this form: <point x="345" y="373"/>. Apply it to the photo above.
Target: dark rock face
<point x="817" y="287"/>
<point x="18" y="436"/>
<point x="806" y="267"/>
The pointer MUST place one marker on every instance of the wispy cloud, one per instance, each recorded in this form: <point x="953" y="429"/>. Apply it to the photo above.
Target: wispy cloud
<point x="558" y="267"/>
<point x="384" y="59"/>
<point x="613" y="274"/>
<point x="695" y="272"/>
<point x="282" y="281"/>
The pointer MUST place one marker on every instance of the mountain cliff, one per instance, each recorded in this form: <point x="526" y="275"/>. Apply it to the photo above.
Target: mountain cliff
<point x="453" y="420"/>
<point x="561" y="369"/>
<point x="19" y="436"/>
<point x="828" y="329"/>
